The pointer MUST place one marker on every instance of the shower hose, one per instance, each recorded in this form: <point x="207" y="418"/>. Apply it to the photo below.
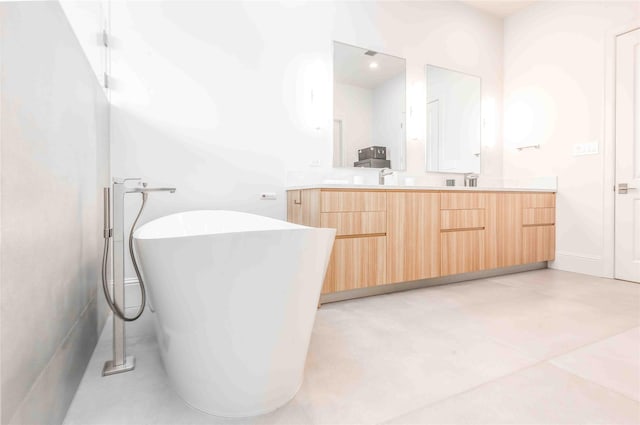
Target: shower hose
<point x="105" y="259"/>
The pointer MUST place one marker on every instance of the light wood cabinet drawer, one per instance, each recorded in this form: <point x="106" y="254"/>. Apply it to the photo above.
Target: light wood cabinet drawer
<point x="538" y="243"/>
<point x="294" y="206"/>
<point x="413" y="236"/>
<point x="538" y="216"/>
<point x="462" y="251"/>
<point x="303" y="206"/>
<point x="356" y="263"/>
<point x="462" y="219"/>
<point x="538" y="200"/>
<point x="462" y="201"/>
<point x="345" y="201"/>
<point x="355" y="223"/>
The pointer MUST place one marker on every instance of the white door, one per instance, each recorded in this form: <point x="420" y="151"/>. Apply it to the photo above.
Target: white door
<point x="627" y="215"/>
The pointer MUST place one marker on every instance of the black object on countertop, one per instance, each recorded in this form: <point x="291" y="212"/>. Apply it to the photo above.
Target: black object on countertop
<point x="372" y="152"/>
<point x="373" y="163"/>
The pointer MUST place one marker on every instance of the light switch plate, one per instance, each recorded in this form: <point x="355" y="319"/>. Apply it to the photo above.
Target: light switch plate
<point x="580" y="149"/>
<point x="268" y="196"/>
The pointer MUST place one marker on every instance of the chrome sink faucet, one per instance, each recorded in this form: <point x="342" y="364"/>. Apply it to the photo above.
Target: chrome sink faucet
<point x="383" y="172"/>
<point x="471" y="180"/>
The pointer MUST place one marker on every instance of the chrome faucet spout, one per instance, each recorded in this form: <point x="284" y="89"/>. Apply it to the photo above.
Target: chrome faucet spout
<point x="471" y="180"/>
<point x="151" y="189"/>
<point x="383" y="172"/>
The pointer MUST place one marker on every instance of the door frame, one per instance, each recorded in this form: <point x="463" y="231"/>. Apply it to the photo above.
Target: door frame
<point x="609" y="147"/>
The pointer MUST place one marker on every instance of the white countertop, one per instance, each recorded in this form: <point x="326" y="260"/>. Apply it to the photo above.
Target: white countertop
<point x="402" y="187"/>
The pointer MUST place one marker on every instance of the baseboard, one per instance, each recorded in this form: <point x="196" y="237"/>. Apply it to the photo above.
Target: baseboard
<point x="578" y="263"/>
<point x="424" y="283"/>
<point x="51" y="394"/>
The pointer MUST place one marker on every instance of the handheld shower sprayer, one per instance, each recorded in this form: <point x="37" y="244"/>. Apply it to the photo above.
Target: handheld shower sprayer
<point x="120" y="190"/>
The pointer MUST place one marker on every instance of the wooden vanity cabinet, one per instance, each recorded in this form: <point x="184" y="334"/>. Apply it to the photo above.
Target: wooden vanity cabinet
<point x="413" y="234"/>
<point x="303" y="207"/>
<point x="504" y="230"/>
<point x="521" y="228"/>
<point x="389" y="236"/>
<point x="538" y="227"/>
<point x="358" y="259"/>
<point x="356" y="262"/>
<point x="463" y="231"/>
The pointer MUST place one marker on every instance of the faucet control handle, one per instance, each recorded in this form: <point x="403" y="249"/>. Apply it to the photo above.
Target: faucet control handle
<point x="120" y="180"/>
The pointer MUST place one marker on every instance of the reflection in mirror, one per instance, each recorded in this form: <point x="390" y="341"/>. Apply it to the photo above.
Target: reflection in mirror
<point x="369" y="99"/>
<point x="453" y="121"/>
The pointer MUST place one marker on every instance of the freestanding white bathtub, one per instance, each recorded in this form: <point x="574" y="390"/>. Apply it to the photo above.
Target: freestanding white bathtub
<point x="235" y="297"/>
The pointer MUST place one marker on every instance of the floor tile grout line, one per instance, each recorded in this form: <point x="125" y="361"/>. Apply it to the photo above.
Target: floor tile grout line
<point x="538" y="363"/>
<point x="490" y="279"/>
<point x="564" y="353"/>
<point x="561" y="297"/>
<point x="517" y="349"/>
<point x="595" y="382"/>
<point x="468" y="390"/>
<point x="475" y="387"/>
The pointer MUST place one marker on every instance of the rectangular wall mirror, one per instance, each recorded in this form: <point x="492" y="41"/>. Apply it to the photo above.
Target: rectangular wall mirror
<point x="369" y="102"/>
<point x="453" y="121"/>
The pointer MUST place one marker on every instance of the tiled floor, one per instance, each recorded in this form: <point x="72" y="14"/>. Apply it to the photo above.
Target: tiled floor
<point x="542" y="347"/>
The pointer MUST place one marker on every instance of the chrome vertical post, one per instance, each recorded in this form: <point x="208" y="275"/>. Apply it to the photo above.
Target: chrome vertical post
<point x="121" y="362"/>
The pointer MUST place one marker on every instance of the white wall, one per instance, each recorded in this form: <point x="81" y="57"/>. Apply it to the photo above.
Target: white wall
<point x="88" y="19"/>
<point x="54" y="161"/>
<point x="353" y="106"/>
<point x="389" y="119"/>
<point x="554" y="87"/>
<point x="215" y="97"/>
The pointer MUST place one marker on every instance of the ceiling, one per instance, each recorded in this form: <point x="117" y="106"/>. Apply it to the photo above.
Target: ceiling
<point x="499" y="8"/>
<point x="351" y="66"/>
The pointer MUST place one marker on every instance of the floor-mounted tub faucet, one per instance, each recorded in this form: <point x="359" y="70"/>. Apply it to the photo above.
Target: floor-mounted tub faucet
<point x="115" y="196"/>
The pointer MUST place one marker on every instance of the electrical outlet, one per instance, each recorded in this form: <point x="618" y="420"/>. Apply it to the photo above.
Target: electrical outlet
<point x="268" y="196"/>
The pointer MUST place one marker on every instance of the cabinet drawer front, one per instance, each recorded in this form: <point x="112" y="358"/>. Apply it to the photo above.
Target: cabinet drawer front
<point x="294" y="206"/>
<point x="538" y="243"/>
<point x="356" y="263"/>
<point x="462" y="219"/>
<point x="462" y="201"/>
<point x="303" y="206"/>
<point x="355" y="223"/>
<point x="345" y="201"/>
<point x="462" y="251"/>
<point x="538" y="216"/>
<point x="538" y="200"/>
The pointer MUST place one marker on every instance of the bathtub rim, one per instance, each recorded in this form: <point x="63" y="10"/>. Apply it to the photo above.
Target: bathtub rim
<point x="290" y="227"/>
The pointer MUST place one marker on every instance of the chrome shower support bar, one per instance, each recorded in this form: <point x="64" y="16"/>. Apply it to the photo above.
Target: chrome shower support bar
<point x="120" y="362"/>
<point x="115" y="295"/>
